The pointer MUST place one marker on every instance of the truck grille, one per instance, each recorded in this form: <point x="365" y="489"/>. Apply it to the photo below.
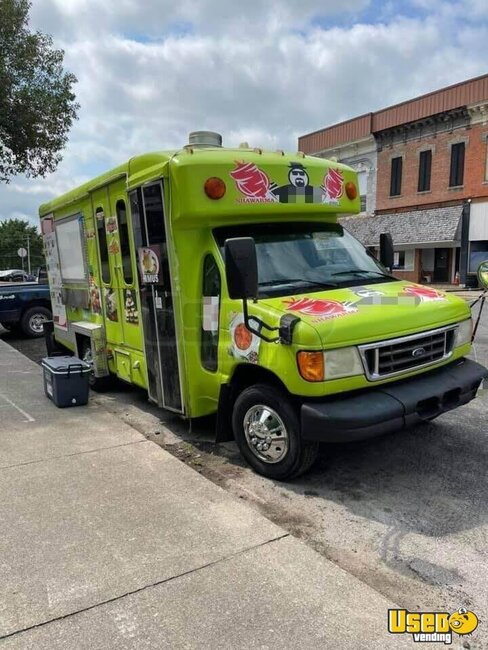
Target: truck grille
<point x="396" y="356"/>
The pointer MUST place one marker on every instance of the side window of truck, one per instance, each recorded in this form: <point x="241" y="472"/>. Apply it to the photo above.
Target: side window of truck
<point x="124" y="240"/>
<point x="210" y="313"/>
<point x="102" y="242"/>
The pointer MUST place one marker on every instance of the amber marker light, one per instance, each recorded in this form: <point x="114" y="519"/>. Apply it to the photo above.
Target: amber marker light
<point x="351" y="191"/>
<point x="311" y="365"/>
<point x="214" y="188"/>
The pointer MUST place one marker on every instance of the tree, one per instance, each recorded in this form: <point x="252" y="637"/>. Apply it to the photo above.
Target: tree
<point x="15" y="234"/>
<point x="37" y="104"/>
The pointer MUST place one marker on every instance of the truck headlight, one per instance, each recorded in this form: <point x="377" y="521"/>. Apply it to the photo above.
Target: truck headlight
<point x="331" y="364"/>
<point x="343" y="362"/>
<point x="464" y="332"/>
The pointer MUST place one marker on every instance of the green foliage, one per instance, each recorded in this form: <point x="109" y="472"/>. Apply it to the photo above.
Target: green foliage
<point x="37" y="105"/>
<point x="14" y="234"/>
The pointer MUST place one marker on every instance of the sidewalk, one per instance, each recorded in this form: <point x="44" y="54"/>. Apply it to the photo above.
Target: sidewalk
<point x="109" y="542"/>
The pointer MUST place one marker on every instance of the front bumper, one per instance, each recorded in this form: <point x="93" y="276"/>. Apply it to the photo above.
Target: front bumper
<point x="392" y="407"/>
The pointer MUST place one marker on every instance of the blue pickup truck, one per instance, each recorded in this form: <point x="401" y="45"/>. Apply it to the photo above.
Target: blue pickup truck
<point x="25" y="306"/>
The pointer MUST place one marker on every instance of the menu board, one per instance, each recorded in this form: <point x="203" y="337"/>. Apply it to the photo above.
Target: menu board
<point x="54" y="272"/>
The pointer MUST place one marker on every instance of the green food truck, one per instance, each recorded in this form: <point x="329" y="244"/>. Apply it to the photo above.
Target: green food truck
<point x="220" y="281"/>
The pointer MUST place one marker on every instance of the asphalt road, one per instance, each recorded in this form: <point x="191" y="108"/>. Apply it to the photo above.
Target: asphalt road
<point x="406" y="513"/>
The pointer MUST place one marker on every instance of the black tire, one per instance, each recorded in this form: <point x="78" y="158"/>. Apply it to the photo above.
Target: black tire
<point x="8" y="326"/>
<point x="299" y="455"/>
<point x="98" y="384"/>
<point x="32" y="319"/>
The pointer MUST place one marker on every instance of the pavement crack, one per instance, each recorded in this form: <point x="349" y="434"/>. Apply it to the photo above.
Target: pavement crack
<point x="78" y="453"/>
<point x="157" y="583"/>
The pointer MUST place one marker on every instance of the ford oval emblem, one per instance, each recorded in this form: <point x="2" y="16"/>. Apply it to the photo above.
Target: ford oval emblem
<point x="418" y="352"/>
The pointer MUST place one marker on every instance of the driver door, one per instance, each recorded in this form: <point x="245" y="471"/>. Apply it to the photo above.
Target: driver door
<point x="158" y="317"/>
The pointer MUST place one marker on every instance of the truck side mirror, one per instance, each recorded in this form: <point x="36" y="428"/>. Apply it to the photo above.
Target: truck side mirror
<point x="241" y="271"/>
<point x="386" y="250"/>
<point x="241" y="268"/>
<point x="483" y="274"/>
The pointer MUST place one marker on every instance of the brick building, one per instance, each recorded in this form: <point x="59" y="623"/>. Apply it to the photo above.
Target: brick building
<point x="423" y="176"/>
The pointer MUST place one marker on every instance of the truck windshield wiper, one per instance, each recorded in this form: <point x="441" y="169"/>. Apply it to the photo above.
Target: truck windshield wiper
<point x="315" y="283"/>
<point x="361" y="272"/>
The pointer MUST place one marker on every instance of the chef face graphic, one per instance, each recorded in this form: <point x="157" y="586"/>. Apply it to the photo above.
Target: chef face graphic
<point x="297" y="175"/>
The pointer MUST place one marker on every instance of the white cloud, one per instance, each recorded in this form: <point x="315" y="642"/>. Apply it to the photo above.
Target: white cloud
<point x="154" y="18"/>
<point x="264" y="73"/>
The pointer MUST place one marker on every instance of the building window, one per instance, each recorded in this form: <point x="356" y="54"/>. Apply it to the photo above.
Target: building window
<point x="456" y="176"/>
<point x="486" y="160"/>
<point x="396" y="176"/>
<point x="404" y="260"/>
<point x="425" y="166"/>
<point x="210" y="316"/>
<point x="478" y="252"/>
<point x="362" y="182"/>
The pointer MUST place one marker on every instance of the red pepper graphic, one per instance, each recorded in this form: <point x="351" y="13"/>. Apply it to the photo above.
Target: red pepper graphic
<point x="251" y="180"/>
<point x="319" y="307"/>
<point x="334" y="184"/>
<point x="424" y="293"/>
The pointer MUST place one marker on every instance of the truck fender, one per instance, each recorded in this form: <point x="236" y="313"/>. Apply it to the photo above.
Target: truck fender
<point x="223" y="427"/>
<point x="245" y="374"/>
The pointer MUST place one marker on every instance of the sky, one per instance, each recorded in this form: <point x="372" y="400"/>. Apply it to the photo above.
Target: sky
<point x="259" y="71"/>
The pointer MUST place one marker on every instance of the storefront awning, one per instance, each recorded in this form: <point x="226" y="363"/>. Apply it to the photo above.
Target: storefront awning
<point x="435" y="225"/>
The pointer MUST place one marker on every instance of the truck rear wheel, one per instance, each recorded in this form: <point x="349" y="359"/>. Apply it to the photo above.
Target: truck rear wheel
<point x="267" y="432"/>
<point x="32" y="321"/>
<point x="98" y="384"/>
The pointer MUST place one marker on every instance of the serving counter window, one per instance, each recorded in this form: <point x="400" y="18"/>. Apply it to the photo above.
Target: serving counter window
<point x="70" y="238"/>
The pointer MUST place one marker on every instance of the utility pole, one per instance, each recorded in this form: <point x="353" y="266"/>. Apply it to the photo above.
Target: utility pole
<point x="28" y="256"/>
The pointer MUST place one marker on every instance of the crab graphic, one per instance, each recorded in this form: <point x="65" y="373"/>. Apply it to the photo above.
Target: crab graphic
<point x="424" y="293"/>
<point x="322" y="309"/>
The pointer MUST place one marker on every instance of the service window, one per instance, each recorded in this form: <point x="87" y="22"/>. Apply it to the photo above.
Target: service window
<point x="69" y="234"/>
<point x="210" y="317"/>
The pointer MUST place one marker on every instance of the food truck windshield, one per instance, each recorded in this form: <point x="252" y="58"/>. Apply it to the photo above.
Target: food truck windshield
<point x="303" y="257"/>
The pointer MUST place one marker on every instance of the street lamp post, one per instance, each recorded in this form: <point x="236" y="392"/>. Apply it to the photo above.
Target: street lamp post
<point x="28" y="256"/>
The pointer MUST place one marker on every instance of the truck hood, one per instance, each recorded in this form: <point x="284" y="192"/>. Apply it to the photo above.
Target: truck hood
<point x="370" y="312"/>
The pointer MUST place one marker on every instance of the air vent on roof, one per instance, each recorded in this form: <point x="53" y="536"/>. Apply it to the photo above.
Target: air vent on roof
<point x="204" y="139"/>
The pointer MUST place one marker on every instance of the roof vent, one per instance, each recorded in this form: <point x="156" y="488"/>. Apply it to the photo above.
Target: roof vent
<point x="204" y="139"/>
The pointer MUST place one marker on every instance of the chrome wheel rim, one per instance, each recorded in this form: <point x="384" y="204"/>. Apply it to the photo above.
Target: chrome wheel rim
<point x="36" y="323"/>
<point x="266" y="434"/>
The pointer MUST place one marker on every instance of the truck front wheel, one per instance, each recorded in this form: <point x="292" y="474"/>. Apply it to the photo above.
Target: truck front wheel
<point x="267" y="432"/>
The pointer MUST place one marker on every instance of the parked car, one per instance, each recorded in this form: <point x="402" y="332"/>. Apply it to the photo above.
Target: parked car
<point x="25" y="307"/>
<point x="14" y="275"/>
